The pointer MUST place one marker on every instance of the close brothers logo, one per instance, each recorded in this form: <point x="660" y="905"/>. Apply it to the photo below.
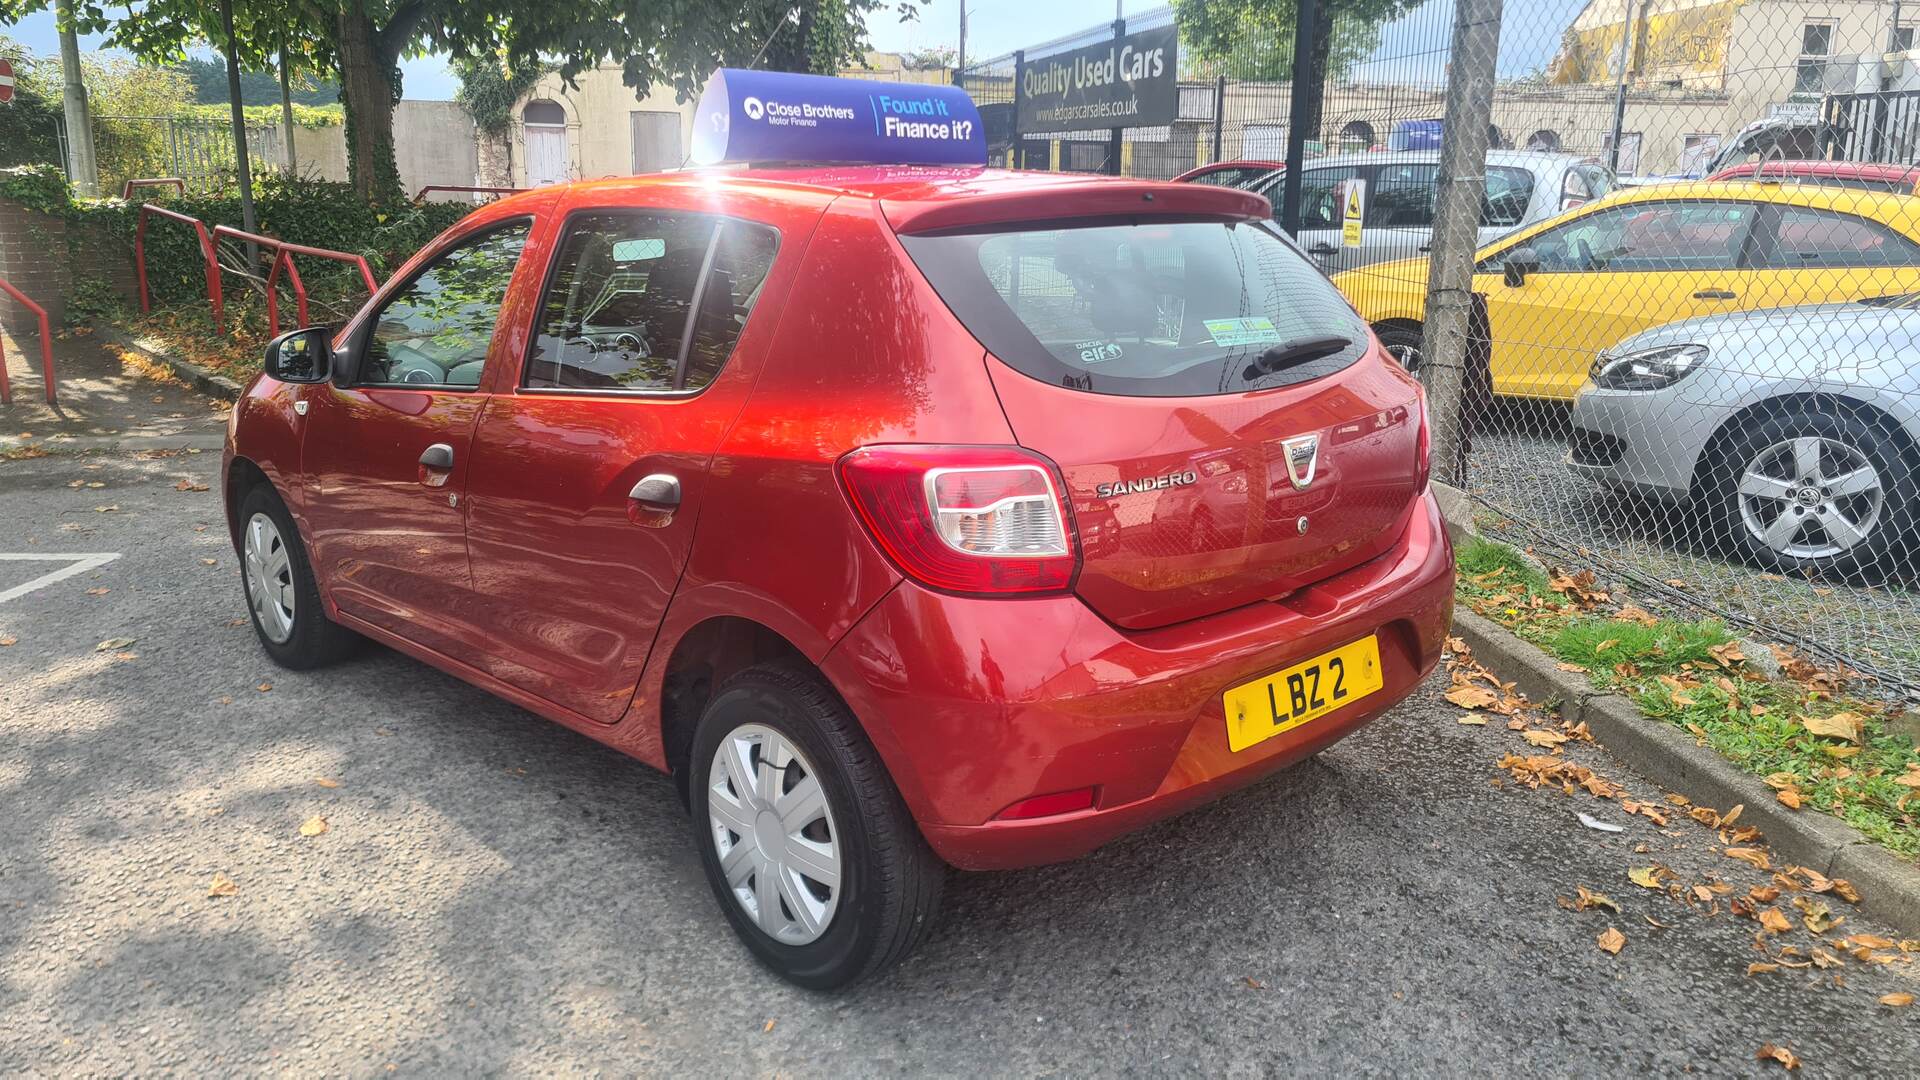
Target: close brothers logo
<point x="753" y="108"/>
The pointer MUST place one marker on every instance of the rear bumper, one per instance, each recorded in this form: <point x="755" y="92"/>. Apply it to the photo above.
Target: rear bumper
<point x="978" y="704"/>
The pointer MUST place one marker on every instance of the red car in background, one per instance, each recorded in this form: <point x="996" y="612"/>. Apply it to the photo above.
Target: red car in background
<point x="861" y="501"/>
<point x="1866" y="175"/>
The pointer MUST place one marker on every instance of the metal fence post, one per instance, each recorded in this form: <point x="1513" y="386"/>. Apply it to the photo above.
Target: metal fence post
<point x="1019" y="151"/>
<point x="1116" y="136"/>
<point x="1456" y="229"/>
<point x="1219" y="115"/>
<point x="1306" y="16"/>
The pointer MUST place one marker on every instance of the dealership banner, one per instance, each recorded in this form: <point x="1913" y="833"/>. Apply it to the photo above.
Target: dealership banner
<point x="774" y="116"/>
<point x="1127" y="82"/>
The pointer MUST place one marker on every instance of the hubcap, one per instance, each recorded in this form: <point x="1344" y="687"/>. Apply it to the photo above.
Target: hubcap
<point x="269" y="576"/>
<point x="774" y="833"/>
<point x="1811" y="497"/>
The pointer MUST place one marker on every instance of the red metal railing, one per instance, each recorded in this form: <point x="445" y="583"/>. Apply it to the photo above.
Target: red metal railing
<point x="46" y="347"/>
<point x="283" y="253"/>
<point x="422" y="193"/>
<point x="126" y="190"/>
<point x="206" y="254"/>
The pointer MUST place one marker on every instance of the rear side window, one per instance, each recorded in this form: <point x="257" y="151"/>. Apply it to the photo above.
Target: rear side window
<point x="1146" y="310"/>
<point x="647" y="301"/>
<point x="1509" y="191"/>
<point x="1808" y="239"/>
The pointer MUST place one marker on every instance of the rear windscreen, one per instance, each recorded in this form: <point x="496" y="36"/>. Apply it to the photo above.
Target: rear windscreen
<point x="1146" y="310"/>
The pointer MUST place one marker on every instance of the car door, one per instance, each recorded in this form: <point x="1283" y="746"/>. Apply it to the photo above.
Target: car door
<point x="1399" y="215"/>
<point x="1809" y="255"/>
<point x="590" y="467"/>
<point x="1603" y="276"/>
<point x="386" y="446"/>
<point x="1321" y="206"/>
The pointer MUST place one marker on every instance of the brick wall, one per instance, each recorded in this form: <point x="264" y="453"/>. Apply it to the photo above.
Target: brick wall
<point x="46" y="257"/>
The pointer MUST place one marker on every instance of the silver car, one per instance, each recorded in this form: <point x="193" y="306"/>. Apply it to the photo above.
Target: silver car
<point x="1523" y="187"/>
<point x="1792" y="432"/>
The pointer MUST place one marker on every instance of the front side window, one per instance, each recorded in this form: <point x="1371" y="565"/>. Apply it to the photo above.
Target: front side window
<point x="1147" y="309"/>
<point x="436" y="331"/>
<point x="1322" y="196"/>
<point x="647" y="301"/>
<point x="1401" y="196"/>
<point x="1643" y="237"/>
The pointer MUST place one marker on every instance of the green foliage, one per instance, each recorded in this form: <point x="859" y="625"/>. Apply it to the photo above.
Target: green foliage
<point x="29" y="125"/>
<point x="489" y="90"/>
<point x="306" y="116"/>
<point x="38" y="187"/>
<point x="209" y="77"/>
<point x="1483" y="558"/>
<point x="90" y="299"/>
<point x="1600" y="644"/>
<point x="1253" y="39"/>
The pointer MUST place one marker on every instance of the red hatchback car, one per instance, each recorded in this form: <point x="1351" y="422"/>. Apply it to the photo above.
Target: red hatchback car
<point x="904" y="515"/>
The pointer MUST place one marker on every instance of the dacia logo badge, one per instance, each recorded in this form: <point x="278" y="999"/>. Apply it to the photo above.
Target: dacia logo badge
<point x="1302" y="453"/>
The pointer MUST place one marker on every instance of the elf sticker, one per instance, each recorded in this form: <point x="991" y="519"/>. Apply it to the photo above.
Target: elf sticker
<point x="1231" y="332"/>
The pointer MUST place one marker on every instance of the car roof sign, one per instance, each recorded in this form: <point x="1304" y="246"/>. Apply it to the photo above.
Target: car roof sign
<point x="761" y="117"/>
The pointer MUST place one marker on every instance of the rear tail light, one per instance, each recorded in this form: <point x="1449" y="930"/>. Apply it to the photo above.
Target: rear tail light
<point x="975" y="520"/>
<point x="1423" y="444"/>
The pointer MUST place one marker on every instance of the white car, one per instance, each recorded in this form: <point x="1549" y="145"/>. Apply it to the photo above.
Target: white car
<point x="1523" y="187"/>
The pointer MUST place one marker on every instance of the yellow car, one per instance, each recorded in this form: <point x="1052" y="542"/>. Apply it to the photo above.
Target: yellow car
<point x="1562" y="290"/>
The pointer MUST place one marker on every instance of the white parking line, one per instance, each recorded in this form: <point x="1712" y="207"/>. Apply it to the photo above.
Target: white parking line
<point x="82" y="561"/>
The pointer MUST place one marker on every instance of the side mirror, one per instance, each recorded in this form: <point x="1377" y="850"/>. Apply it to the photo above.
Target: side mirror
<point x="301" y="356"/>
<point x="1520" y="262"/>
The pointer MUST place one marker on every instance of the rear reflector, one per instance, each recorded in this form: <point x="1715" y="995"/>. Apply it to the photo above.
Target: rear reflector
<point x="975" y="520"/>
<point x="1060" y="802"/>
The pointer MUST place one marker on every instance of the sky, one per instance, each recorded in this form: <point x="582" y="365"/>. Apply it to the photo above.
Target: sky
<point x="1410" y="48"/>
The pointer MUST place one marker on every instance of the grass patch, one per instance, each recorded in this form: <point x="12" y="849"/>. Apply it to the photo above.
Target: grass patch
<point x="1692" y="674"/>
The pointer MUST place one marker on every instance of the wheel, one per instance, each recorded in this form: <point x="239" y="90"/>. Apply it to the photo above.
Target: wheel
<point x="282" y="598"/>
<point x="809" y="849"/>
<point x="1815" y="491"/>
<point x="1403" y="343"/>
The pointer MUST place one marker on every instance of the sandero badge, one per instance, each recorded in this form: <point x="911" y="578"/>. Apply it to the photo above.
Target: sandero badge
<point x="797" y="483"/>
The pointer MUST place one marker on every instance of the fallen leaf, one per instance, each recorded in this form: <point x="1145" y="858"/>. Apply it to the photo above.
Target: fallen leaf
<point x="1254" y="984"/>
<point x="1472" y="697"/>
<point x="6" y="640"/>
<point x="1647" y="877"/>
<point x="313" y="826"/>
<point x="1564" y="666"/>
<point x="113" y="643"/>
<point x="1540" y="738"/>
<point x="1871" y="941"/>
<point x="1818" y="916"/>
<point x="381" y="731"/>
<point x="1732" y="815"/>
<point x="1781" y="1054"/>
<point x="222" y="885"/>
<point x="1897" y="1000"/>
<point x="1635" y="614"/>
<point x="1753" y="857"/>
<point x="1727" y="655"/>
<point x="1612" y="941"/>
<point x="326" y="783"/>
<point x="208" y="562"/>
<point x="1761" y="969"/>
<point x="188" y="485"/>
<point x="1841" y="725"/>
<point x="1775" y="920"/>
<point x="1788" y="797"/>
<point x="101" y="590"/>
<point x="264" y="687"/>
<point x="1473" y="718"/>
<point x="1587" y="898"/>
<point x="105" y="509"/>
<point x="769" y="1026"/>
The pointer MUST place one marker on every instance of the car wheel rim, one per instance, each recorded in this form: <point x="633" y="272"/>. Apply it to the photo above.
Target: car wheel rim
<point x="1407" y="356"/>
<point x="774" y="833"/>
<point x="1811" y="497"/>
<point x="269" y="574"/>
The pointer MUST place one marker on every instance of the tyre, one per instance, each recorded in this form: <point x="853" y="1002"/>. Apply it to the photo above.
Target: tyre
<point x="810" y="851"/>
<point x="1815" y="491"/>
<point x="283" y="599"/>
<point x="1403" y="343"/>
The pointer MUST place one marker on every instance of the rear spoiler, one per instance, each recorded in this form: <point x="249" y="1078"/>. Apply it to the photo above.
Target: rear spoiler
<point x="1075" y="197"/>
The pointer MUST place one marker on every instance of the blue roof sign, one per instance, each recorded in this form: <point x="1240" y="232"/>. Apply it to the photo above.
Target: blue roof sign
<point x="747" y="117"/>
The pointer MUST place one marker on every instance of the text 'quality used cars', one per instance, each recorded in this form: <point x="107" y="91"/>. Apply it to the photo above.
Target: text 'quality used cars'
<point x="905" y="515"/>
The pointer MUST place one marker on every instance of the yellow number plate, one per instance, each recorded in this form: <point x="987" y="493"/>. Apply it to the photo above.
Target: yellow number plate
<point x="1263" y="708"/>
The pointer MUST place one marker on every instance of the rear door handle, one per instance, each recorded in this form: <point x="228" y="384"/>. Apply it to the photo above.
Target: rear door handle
<point x="653" y="500"/>
<point x="1716" y="294"/>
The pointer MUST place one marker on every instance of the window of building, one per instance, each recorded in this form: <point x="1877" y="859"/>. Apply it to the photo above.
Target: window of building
<point x="1902" y="38"/>
<point x="1816" y="44"/>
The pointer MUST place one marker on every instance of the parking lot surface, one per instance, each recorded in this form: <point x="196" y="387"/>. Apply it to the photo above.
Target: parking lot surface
<point x="492" y="893"/>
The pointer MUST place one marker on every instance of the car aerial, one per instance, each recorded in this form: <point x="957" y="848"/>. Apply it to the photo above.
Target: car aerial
<point x="1559" y="292"/>
<point x="859" y="499"/>
<point x="1523" y="187"/>
<point x="1865" y="175"/>
<point x="1791" y="431"/>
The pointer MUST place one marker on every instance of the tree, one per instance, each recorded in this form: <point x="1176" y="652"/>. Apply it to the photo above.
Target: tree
<point x="1252" y="40"/>
<point x="257" y="87"/>
<point x="30" y="126"/>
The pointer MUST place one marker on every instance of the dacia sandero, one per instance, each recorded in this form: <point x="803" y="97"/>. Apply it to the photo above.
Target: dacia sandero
<point x="907" y="517"/>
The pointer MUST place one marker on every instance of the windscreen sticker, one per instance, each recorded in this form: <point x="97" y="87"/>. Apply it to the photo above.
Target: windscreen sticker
<point x="1230" y="332"/>
<point x="1097" y="352"/>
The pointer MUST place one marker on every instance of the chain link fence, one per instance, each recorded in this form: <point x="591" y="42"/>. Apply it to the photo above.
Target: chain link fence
<point x="1698" y="254"/>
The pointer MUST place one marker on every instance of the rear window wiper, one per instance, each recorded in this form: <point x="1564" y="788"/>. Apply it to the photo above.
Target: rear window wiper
<point x="1299" y="351"/>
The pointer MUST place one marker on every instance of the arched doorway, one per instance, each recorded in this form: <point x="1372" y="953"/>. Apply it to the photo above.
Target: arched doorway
<point x="1357" y="135"/>
<point x="546" y="127"/>
<point x="1544" y="139"/>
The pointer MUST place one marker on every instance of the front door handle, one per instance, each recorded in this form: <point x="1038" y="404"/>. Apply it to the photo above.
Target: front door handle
<point x="1716" y="294"/>
<point x="653" y="500"/>
<point x="436" y="465"/>
<point x="1321" y="247"/>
